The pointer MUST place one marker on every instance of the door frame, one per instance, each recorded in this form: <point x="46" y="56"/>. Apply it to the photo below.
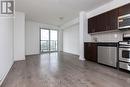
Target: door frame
<point x="49" y="40"/>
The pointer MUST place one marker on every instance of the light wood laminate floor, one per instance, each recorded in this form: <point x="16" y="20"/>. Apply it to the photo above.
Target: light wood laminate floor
<point x="63" y="70"/>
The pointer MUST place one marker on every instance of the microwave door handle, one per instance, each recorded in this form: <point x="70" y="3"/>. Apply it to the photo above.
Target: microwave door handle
<point x="129" y="64"/>
<point x="120" y="20"/>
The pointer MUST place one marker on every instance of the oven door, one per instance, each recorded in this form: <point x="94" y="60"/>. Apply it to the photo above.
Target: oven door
<point x="124" y="54"/>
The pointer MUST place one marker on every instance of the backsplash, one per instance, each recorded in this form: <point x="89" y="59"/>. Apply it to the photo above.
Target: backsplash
<point x="114" y="36"/>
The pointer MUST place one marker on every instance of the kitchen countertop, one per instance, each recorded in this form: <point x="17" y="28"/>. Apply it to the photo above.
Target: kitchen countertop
<point x="115" y="44"/>
<point x="102" y="42"/>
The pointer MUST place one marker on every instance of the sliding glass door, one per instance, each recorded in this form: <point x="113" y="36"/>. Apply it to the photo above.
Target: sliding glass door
<point x="53" y="40"/>
<point x="48" y="42"/>
<point x="44" y="46"/>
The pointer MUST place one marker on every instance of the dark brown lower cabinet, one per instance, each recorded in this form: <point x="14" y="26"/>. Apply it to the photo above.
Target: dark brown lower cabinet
<point x="90" y="51"/>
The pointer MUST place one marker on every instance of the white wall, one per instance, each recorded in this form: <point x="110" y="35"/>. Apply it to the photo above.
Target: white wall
<point x="71" y="39"/>
<point x="6" y="46"/>
<point x="71" y="36"/>
<point x="75" y="34"/>
<point x="60" y="40"/>
<point x="19" y="36"/>
<point x="33" y="36"/>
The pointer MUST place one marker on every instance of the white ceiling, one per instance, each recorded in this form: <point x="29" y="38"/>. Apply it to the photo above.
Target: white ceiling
<point x="49" y="11"/>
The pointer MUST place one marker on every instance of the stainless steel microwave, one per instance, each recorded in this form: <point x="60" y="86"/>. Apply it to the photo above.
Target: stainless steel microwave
<point x="124" y="22"/>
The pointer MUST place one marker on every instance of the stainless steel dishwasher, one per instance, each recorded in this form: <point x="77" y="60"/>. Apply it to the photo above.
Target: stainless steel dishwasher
<point x="107" y="54"/>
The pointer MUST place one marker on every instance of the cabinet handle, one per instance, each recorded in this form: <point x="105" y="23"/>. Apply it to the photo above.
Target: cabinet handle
<point x="128" y="64"/>
<point x="107" y="28"/>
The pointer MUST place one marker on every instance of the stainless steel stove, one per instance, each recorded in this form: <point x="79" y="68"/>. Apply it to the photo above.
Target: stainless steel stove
<point x="124" y="52"/>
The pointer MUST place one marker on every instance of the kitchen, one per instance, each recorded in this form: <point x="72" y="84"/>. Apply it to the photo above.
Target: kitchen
<point x="114" y="50"/>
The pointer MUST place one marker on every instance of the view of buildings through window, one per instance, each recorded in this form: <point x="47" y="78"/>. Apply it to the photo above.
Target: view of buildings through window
<point x="48" y="40"/>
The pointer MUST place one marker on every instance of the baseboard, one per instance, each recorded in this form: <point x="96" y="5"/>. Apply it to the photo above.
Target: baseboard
<point x="81" y="58"/>
<point x="71" y="53"/>
<point x="2" y="80"/>
<point x="19" y="59"/>
<point x="31" y="54"/>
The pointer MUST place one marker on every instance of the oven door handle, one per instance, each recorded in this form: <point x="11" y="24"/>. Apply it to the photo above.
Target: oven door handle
<point x="124" y="48"/>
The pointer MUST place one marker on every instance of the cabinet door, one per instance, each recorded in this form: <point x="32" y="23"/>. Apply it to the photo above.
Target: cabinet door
<point x="124" y="10"/>
<point x="86" y="50"/>
<point x="90" y="51"/>
<point x="93" y="52"/>
<point x="112" y="20"/>
<point x="90" y="25"/>
<point x="102" y="21"/>
<point x="92" y="22"/>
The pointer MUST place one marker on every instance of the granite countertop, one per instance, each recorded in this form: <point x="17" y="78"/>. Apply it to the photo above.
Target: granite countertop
<point x="102" y="42"/>
<point x="115" y="44"/>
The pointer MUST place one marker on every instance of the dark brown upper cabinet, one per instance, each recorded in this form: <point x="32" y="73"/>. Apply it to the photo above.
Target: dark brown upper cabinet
<point x="108" y="20"/>
<point x="112" y="20"/>
<point x="124" y="10"/>
<point x="92" y="22"/>
<point x="102" y="21"/>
